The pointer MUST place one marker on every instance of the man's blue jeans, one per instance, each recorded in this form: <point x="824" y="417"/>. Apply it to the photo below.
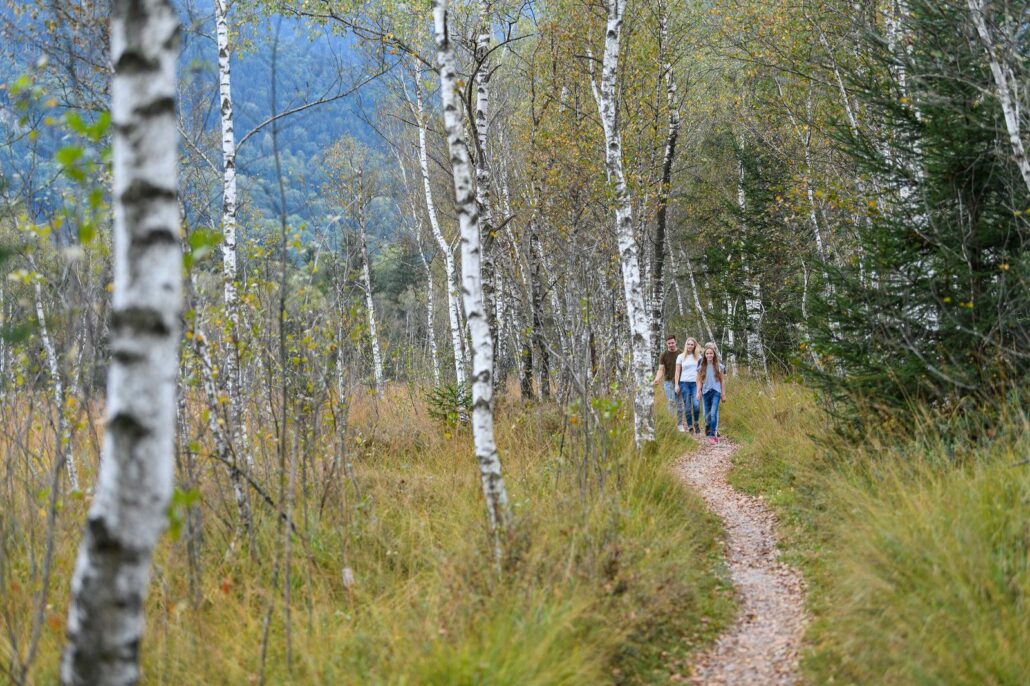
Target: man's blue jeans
<point x="712" y="399"/>
<point x="689" y="405"/>
<point x="670" y="395"/>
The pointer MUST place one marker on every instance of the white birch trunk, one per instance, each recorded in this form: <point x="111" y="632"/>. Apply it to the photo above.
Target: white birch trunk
<point x="445" y="249"/>
<point x="229" y="203"/>
<point x="494" y="490"/>
<point x="430" y="310"/>
<point x="753" y="300"/>
<point x="416" y="232"/>
<point x="1006" y="84"/>
<point x="63" y="449"/>
<point x="128" y="514"/>
<point x="753" y="307"/>
<point x="697" y="299"/>
<point x="222" y="447"/>
<point x="731" y="341"/>
<point x="370" y="308"/>
<point x="607" y="103"/>
<point x="484" y="179"/>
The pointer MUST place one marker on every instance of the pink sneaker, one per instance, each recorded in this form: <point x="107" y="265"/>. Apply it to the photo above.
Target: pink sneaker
<point x="713" y="439"/>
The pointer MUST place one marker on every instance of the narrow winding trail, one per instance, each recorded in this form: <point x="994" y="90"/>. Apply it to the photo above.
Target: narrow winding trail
<point x="762" y="645"/>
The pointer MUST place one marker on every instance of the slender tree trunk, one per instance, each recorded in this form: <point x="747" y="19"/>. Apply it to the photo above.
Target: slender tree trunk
<point x="753" y="299"/>
<point x="465" y="204"/>
<point x="416" y="232"/>
<point x="4" y="366"/>
<point x="484" y="179"/>
<point x="370" y="308"/>
<point x="222" y="444"/>
<point x="753" y="306"/>
<point x="1005" y="84"/>
<point x="526" y="378"/>
<point x="731" y="341"/>
<point x="445" y="249"/>
<point x="607" y="104"/>
<point x="430" y="311"/>
<point x="194" y="521"/>
<point x="237" y="427"/>
<point x="537" y="308"/>
<point x="128" y="514"/>
<point x="697" y="298"/>
<point x="671" y="136"/>
<point x="63" y="449"/>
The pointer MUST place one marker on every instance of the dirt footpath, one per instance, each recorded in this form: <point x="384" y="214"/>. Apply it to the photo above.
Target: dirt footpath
<point x="761" y="647"/>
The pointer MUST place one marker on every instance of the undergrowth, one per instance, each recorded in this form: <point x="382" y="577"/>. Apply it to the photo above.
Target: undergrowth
<point x="916" y="546"/>
<point x="613" y="574"/>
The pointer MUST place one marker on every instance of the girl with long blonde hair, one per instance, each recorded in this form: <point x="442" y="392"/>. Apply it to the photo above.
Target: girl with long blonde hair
<point x="711" y="386"/>
<point x="689" y="408"/>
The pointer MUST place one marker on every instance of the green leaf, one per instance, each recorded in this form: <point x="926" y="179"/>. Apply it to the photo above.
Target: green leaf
<point x="69" y="155"/>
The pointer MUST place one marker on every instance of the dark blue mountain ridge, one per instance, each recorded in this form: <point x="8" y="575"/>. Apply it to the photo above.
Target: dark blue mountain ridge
<point x="311" y="64"/>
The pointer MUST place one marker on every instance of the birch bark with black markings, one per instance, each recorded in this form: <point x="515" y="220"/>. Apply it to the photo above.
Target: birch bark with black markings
<point x="128" y="513"/>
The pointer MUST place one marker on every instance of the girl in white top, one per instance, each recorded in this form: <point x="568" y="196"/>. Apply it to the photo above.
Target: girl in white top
<point x="688" y="408"/>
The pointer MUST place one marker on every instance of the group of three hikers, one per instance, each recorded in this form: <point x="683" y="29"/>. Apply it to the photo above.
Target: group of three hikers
<point x="690" y="377"/>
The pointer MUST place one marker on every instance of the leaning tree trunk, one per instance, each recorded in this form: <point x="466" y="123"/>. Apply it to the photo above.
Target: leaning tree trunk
<point x="607" y="104"/>
<point x="466" y="207"/>
<point x="697" y="297"/>
<point x="1005" y="83"/>
<point x="416" y="232"/>
<point x="134" y="486"/>
<point x="445" y="249"/>
<point x="63" y="451"/>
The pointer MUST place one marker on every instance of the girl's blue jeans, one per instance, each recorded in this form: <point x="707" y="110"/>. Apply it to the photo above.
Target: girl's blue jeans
<point x="689" y="406"/>
<point x="712" y="399"/>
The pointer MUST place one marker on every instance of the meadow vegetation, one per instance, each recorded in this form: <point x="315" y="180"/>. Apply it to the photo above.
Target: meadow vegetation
<point x="613" y="574"/>
<point x="915" y="545"/>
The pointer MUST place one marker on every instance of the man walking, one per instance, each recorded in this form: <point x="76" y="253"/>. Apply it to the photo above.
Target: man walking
<point x="667" y="371"/>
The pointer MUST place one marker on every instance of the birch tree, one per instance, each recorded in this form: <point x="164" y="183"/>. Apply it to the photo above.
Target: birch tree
<point x="418" y="111"/>
<point x="370" y="307"/>
<point x="484" y="180"/>
<point x="606" y="96"/>
<point x="669" y="156"/>
<point x="128" y="513"/>
<point x="353" y="182"/>
<point x="753" y="290"/>
<point x="416" y="233"/>
<point x="229" y="206"/>
<point x="63" y="450"/>
<point x="1006" y="88"/>
<point x="498" y="510"/>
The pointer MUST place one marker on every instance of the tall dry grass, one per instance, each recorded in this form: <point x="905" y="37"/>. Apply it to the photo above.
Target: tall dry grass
<point x="917" y="547"/>
<point x="613" y="574"/>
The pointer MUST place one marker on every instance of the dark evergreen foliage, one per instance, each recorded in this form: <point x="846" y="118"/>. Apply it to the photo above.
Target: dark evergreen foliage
<point x="936" y="308"/>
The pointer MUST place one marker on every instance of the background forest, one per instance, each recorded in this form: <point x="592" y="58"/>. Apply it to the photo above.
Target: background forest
<point x="837" y="194"/>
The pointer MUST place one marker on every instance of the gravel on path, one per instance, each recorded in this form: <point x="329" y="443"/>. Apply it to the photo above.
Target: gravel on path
<point x="762" y="645"/>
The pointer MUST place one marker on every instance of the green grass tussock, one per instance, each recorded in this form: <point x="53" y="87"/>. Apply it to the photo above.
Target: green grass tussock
<point x="917" y="547"/>
<point x="613" y="576"/>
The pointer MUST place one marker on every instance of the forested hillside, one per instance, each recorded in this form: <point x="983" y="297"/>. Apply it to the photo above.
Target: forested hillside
<point x="371" y="342"/>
